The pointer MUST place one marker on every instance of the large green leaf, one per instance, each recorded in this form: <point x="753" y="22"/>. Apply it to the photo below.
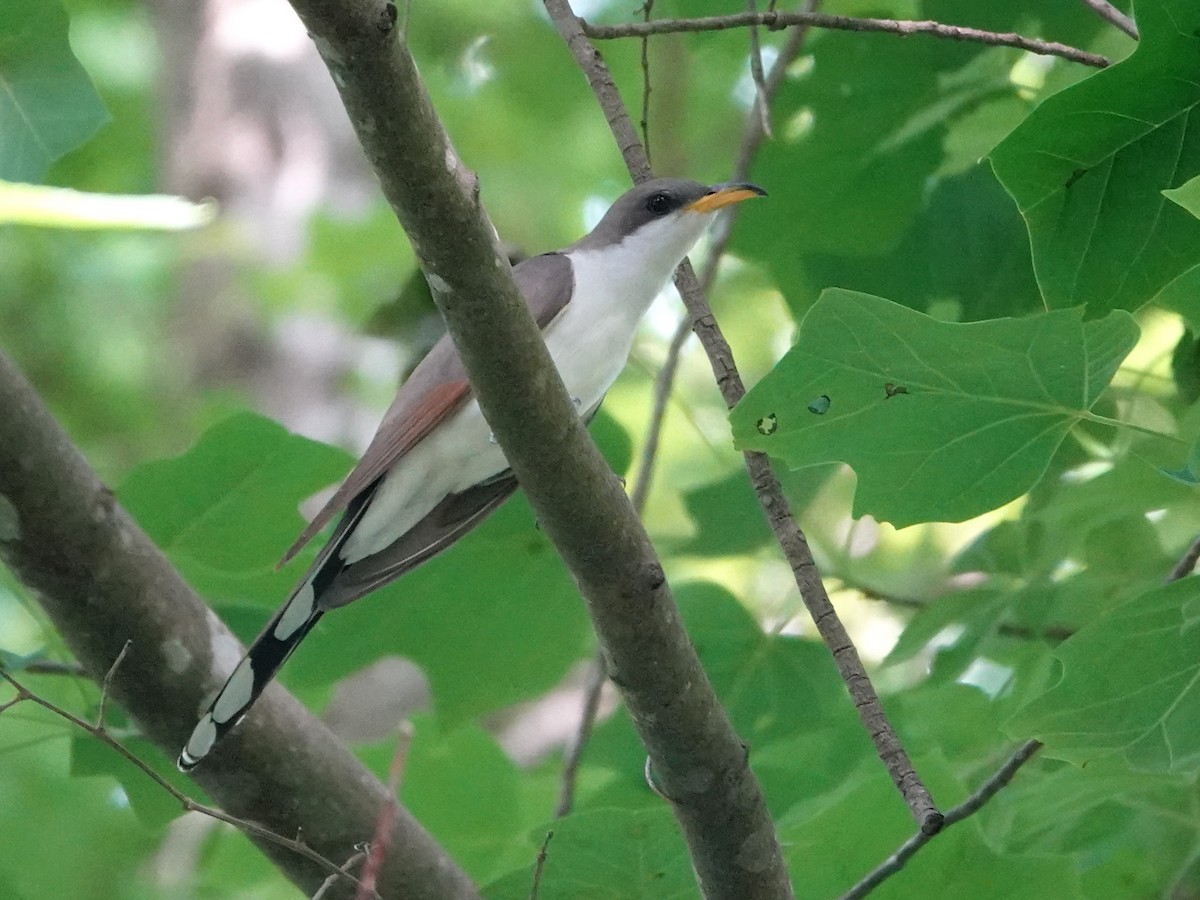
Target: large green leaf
<point x="1088" y="168"/>
<point x="47" y="103"/>
<point x="940" y="421"/>
<point x="231" y="500"/>
<point x="1129" y="686"/>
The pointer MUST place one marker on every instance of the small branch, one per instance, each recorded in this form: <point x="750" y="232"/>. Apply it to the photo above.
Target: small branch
<point x="753" y="136"/>
<point x="1055" y="633"/>
<point x="540" y="866"/>
<point x="904" y="27"/>
<point x="101" y="734"/>
<point x="766" y="485"/>
<point x="647" y="8"/>
<point x="762" y="102"/>
<point x="54" y="667"/>
<point x="383" y="829"/>
<point x="591" y="704"/>
<point x="107" y="685"/>
<point x="1187" y="563"/>
<point x="968" y="807"/>
<point x="333" y="878"/>
<point x="1110" y="13"/>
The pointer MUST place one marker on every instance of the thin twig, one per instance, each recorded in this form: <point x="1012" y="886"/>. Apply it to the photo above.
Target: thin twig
<point x="383" y="827"/>
<point x="647" y="8"/>
<point x="187" y="803"/>
<point x="968" y="807"/>
<point x="753" y="136"/>
<point x="329" y="882"/>
<point x="1055" y="633"/>
<point x="766" y="484"/>
<point x="107" y="684"/>
<point x="587" y="719"/>
<point x="54" y="667"/>
<point x="762" y="102"/>
<point x="540" y="866"/>
<point x="1187" y="563"/>
<point x="1110" y="13"/>
<point x="776" y="20"/>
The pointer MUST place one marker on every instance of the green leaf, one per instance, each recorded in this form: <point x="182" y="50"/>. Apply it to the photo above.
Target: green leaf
<point x="940" y="421"/>
<point x="972" y="248"/>
<point x="231" y="500"/>
<point x="152" y="805"/>
<point x="608" y="854"/>
<point x="47" y="103"/>
<point x="1187" y="196"/>
<point x="1089" y="166"/>
<point x="771" y="685"/>
<point x="1129" y="686"/>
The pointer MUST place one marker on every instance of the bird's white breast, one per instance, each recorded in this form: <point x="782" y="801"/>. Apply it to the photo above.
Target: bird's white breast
<point x="589" y="342"/>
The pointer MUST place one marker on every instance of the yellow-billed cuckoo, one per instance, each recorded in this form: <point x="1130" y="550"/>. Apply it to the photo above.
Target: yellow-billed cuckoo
<point x="433" y="471"/>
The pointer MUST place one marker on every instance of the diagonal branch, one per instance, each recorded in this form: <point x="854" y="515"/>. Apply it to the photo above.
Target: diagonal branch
<point x="903" y="27"/>
<point x="1114" y="16"/>
<point x="579" y="503"/>
<point x="103" y="583"/>
<point x="766" y="485"/>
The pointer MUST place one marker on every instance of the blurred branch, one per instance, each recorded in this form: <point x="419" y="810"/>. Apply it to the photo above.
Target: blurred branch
<point x="104" y="583"/>
<point x="968" y="807"/>
<point x="580" y="505"/>
<point x="1110" y="13"/>
<point x="903" y="27"/>
<point x="587" y="719"/>
<point x="53" y="667"/>
<point x="100" y="733"/>
<point x="766" y="485"/>
<point x="1187" y="562"/>
<point x="1057" y="633"/>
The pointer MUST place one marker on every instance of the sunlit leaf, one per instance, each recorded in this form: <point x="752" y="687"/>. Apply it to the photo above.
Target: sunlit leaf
<point x="1089" y="166"/>
<point x="940" y="421"/>
<point x="47" y="103"/>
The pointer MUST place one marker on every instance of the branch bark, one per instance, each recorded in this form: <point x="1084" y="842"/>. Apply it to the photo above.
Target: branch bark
<point x="103" y="582"/>
<point x="762" y="477"/>
<point x="777" y="20"/>
<point x="581" y="505"/>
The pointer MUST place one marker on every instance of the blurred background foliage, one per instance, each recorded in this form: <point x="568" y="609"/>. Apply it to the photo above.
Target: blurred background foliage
<point x="219" y="376"/>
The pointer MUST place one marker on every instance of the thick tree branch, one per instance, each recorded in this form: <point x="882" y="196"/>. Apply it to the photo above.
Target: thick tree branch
<point x="766" y="485"/>
<point x="103" y="583"/>
<point x="579" y="503"/>
<point x="776" y="20"/>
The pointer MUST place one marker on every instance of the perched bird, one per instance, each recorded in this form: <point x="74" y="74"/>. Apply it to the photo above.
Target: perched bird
<point x="433" y="471"/>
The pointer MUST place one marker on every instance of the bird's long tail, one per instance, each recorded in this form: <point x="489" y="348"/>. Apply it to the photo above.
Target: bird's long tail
<point x="287" y="628"/>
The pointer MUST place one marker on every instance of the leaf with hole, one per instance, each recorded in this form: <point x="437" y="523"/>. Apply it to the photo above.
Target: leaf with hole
<point x="941" y="421"/>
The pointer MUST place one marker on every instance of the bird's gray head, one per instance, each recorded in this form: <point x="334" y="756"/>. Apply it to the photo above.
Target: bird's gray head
<point x="642" y="208"/>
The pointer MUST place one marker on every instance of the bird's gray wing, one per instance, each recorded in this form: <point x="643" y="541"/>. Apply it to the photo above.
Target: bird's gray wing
<point x="436" y="388"/>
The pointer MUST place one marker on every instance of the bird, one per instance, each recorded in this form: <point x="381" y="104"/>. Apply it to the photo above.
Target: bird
<point x="433" y="470"/>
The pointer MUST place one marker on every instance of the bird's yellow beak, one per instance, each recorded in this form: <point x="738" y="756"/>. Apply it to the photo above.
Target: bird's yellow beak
<point x="723" y="195"/>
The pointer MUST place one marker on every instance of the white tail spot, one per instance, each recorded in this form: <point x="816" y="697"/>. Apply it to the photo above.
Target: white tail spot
<point x="236" y="694"/>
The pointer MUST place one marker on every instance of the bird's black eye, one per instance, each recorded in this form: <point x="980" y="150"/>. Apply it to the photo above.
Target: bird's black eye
<point x="659" y="204"/>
